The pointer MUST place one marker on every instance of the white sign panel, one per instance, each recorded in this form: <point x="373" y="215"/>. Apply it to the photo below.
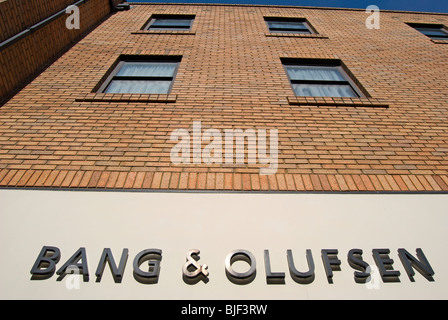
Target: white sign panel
<point x="156" y="245"/>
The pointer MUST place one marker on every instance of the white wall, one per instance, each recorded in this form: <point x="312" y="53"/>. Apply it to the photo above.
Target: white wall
<point x="216" y="224"/>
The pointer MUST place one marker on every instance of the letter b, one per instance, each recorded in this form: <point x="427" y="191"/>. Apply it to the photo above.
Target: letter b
<point x="45" y="264"/>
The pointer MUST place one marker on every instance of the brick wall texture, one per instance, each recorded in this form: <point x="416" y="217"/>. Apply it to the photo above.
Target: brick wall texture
<point x="26" y="57"/>
<point x="17" y="15"/>
<point x="57" y="132"/>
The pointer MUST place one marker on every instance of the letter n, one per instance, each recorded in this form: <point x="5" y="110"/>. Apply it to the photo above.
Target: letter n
<point x="421" y="264"/>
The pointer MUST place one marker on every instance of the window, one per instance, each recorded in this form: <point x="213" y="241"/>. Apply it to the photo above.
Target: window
<point x="320" y="78"/>
<point x="170" y="22"/>
<point x="138" y="75"/>
<point x="434" y="31"/>
<point x="289" y="25"/>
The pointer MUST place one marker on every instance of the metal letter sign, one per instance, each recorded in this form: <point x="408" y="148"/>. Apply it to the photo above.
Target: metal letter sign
<point x="167" y="248"/>
<point x="240" y="277"/>
<point x="192" y="271"/>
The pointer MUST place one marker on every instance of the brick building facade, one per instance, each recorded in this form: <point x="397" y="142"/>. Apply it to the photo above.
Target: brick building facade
<point x="59" y="131"/>
<point x="33" y="33"/>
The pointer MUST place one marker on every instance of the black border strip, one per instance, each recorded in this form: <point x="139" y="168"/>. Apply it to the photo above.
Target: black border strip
<point x="278" y="6"/>
<point x="134" y="190"/>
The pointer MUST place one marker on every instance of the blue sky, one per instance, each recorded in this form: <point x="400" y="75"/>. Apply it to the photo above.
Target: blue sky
<point x="405" y="5"/>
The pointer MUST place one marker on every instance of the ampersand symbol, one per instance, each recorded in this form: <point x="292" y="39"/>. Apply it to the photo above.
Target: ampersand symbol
<point x="192" y="270"/>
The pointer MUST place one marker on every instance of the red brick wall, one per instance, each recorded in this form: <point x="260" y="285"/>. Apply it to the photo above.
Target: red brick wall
<point x="57" y="133"/>
<point x="17" y="15"/>
<point x="24" y="58"/>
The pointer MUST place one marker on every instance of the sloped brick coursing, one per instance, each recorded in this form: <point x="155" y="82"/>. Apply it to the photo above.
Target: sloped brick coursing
<point x="56" y="132"/>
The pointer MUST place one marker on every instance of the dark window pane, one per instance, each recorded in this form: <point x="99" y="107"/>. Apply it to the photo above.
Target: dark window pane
<point x="148" y="69"/>
<point x="138" y="86"/>
<point x="290" y="31"/>
<point x="168" y="28"/>
<point x="172" y="22"/>
<point x="314" y="73"/>
<point x="440" y="38"/>
<point x="287" y="25"/>
<point x="432" y="31"/>
<point x="323" y="90"/>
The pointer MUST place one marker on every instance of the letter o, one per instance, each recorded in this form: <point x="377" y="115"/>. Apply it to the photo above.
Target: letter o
<point x="241" y="277"/>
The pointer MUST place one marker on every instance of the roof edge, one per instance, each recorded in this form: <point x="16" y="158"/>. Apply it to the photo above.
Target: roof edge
<point x="280" y="6"/>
